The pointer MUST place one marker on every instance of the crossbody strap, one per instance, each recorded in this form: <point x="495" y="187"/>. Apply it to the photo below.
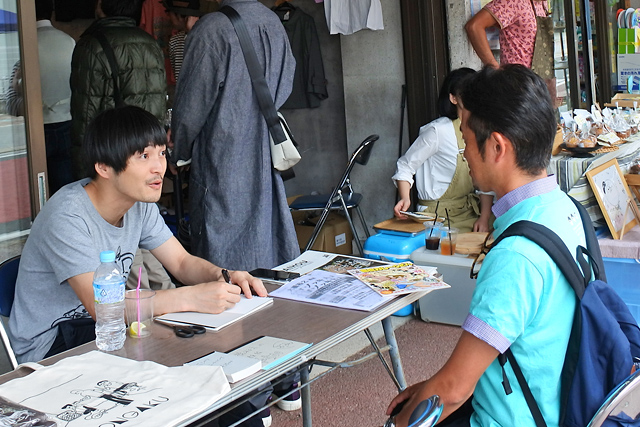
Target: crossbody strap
<point x="258" y="79"/>
<point x="108" y="51"/>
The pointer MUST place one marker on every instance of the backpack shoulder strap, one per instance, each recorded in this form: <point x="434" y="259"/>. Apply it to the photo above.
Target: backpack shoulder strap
<point x="592" y="241"/>
<point x="108" y="51"/>
<point x="557" y="250"/>
<point x="526" y="391"/>
<point x="554" y="246"/>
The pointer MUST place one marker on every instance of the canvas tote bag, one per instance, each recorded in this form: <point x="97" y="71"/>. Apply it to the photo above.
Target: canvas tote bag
<point x="542" y="63"/>
<point x="98" y="389"/>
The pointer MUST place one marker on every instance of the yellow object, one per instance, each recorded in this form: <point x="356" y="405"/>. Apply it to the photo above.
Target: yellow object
<point x="133" y="329"/>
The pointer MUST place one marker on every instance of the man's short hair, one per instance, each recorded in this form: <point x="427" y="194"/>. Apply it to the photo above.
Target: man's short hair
<point x="451" y="85"/>
<point x="115" y="135"/>
<point x="128" y="8"/>
<point x="515" y="102"/>
<point x="44" y="9"/>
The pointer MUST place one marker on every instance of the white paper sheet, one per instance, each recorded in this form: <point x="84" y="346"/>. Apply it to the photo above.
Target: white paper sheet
<point x="336" y="290"/>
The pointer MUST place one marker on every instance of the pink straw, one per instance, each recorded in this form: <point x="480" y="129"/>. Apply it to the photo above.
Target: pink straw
<point x="138" y="297"/>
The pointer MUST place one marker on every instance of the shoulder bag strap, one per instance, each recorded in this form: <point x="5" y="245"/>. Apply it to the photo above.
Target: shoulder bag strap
<point x="257" y="76"/>
<point x="108" y="51"/>
<point x="535" y="14"/>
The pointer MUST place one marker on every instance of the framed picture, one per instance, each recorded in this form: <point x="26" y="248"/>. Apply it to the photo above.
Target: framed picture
<point x="613" y="195"/>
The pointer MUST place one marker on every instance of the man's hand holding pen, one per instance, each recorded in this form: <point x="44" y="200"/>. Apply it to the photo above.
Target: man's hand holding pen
<point x="245" y="281"/>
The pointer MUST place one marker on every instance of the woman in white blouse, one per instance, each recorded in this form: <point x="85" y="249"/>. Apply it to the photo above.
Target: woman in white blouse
<point x="441" y="173"/>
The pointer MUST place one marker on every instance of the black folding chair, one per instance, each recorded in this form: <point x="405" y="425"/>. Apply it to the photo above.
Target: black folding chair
<point x="342" y="198"/>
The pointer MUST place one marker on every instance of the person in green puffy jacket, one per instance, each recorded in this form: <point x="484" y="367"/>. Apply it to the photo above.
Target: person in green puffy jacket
<point x="140" y="76"/>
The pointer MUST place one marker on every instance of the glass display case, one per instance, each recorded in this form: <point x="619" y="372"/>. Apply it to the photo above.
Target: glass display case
<point x="585" y="50"/>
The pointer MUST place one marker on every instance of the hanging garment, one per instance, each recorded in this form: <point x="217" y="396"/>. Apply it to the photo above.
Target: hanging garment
<point x="309" y="83"/>
<point x="348" y="16"/>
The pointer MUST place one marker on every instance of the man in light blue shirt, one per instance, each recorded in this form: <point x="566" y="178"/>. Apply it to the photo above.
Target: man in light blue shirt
<point x="521" y="301"/>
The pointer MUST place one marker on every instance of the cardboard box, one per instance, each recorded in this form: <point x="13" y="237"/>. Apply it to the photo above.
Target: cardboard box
<point x="624" y="100"/>
<point x="335" y="236"/>
<point x="628" y="65"/>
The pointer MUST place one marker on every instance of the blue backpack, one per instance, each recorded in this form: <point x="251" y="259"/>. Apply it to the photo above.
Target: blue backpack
<point x="604" y="346"/>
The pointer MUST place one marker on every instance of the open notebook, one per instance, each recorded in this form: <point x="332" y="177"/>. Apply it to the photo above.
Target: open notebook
<point x="244" y="308"/>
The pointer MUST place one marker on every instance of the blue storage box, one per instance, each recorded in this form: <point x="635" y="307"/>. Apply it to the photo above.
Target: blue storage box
<point x="622" y="275"/>
<point x="395" y="246"/>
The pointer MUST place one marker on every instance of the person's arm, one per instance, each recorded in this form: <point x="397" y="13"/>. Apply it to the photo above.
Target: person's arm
<point x="482" y="223"/>
<point x="191" y="21"/>
<point x="476" y="32"/>
<point x="404" y="190"/>
<point x="454" y="382"/>
<point x="209" y="293"/>
<point x="201" y="67"/>
<point x="425" y="146"/>
<point x="14" y="97"/>
<point x="82" y="285"/>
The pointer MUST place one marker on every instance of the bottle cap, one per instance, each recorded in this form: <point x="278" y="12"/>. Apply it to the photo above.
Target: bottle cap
<point x="107" y="256"/>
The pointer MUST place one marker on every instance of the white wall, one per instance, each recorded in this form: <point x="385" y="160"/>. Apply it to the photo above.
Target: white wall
<point x="461" y="53"/>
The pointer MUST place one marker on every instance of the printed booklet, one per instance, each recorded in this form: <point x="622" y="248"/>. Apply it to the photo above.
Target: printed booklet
<point x="396" y="279"/>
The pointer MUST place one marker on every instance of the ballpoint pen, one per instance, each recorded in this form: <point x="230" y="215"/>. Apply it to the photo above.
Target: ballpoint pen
<point x="225" y="274"/>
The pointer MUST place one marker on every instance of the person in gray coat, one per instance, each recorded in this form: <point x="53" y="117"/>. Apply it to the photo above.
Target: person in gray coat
<point x="238" y="209"/>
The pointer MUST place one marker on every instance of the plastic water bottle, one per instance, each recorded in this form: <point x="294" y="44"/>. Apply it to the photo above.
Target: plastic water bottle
<point x="108" y="291"/>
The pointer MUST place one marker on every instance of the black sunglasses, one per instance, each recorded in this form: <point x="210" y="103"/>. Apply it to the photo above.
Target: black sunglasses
<point x="484" y="250"/>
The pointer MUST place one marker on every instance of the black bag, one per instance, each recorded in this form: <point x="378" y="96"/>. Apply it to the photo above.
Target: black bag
<point x="605" y="338"/>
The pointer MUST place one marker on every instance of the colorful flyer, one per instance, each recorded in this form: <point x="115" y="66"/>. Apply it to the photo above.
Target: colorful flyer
<point x="396" y="279"/>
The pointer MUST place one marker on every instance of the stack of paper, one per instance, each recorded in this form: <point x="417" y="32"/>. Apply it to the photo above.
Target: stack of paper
<point x="235" y="367"/>
<point x="396" y="279"/>
<point x="270" y="350"/>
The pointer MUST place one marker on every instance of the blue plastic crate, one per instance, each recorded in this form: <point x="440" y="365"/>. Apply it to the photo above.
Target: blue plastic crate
<point x="622" y="275"/>
<point x="394" y="246"/>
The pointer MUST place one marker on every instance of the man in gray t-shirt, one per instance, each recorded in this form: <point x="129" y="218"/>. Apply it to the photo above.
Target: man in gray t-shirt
<point x="115" y="210"/>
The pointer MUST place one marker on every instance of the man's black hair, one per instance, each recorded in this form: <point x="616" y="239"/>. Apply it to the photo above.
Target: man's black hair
<point x="44" y="9"/>
<point x="450" y="85"/>
<point x="515" y="102"/>
<point x="128" y="8"/>
<point x="115" y="135"/>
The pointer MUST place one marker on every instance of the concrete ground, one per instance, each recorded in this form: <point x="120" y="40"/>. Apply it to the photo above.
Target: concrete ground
<point x="358" y="396"/>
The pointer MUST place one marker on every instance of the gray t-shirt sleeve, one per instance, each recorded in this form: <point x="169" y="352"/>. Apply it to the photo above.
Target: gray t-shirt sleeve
<point x="154" y="230"/>
<point x="68" y="246"/>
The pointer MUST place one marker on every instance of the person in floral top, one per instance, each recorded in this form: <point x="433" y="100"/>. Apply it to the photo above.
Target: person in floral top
<point x="517" y="25"/>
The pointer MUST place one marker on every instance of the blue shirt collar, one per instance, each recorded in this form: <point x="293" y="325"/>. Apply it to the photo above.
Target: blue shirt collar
<point x="531" y="189"/>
